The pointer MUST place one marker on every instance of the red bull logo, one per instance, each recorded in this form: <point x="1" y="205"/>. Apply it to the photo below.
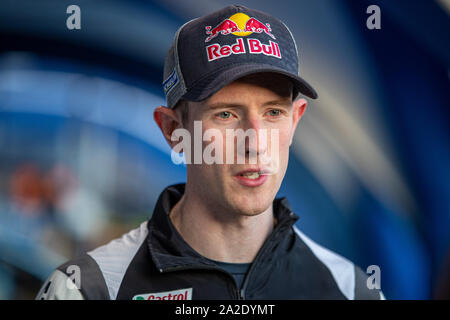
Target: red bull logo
<point x="238" y="24"/>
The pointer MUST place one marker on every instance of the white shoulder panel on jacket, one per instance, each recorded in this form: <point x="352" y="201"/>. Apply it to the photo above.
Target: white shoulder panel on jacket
<point x="114" y="258"/>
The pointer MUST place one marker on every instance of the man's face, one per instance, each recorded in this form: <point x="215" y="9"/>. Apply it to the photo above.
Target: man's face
<point x="261" y="101"/>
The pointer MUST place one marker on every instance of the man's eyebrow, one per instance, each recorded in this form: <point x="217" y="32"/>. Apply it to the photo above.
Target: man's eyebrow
<point x="221" y="105"/>
<point x="280" y="102"/>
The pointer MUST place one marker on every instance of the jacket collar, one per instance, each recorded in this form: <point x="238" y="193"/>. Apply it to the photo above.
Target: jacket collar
<point x="168" y="249"/>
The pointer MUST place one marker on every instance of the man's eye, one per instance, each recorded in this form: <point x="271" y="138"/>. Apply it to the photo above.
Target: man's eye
<point x="224" y="115"/>
<point x="274" y="113"/>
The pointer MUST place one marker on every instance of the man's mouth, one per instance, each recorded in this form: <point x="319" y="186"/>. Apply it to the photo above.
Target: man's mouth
<point x="252" y="177"/>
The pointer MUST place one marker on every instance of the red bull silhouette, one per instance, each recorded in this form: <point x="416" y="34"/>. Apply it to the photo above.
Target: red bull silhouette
<point x="254" y="25"/>
<point x="225" y="27"/>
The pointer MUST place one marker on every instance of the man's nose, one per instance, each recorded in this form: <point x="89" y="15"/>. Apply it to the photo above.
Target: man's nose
<point x="256" y="144"/>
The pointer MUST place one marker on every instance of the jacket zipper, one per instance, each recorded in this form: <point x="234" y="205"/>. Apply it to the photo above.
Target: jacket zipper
<point x="261" y="252"/>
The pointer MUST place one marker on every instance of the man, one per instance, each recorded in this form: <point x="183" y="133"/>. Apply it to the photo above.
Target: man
<point x="222" y="235"/>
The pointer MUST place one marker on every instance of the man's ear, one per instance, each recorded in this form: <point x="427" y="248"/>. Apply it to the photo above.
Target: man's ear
<point x="167" y="120"/>
<point x="299" y="108"/>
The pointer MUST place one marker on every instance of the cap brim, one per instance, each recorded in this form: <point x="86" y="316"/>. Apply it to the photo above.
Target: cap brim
<point x="206" y="87"/>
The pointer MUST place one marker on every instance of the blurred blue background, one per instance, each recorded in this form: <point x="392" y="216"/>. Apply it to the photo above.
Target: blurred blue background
<point x="82" y="161"/>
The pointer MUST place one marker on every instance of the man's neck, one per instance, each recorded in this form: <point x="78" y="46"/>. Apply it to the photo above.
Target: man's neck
<point x="220" y="236"/>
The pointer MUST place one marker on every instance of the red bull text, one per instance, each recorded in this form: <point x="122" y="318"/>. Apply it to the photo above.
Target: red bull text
<point x="216" y="51"/>
<point x="240" y="25"/>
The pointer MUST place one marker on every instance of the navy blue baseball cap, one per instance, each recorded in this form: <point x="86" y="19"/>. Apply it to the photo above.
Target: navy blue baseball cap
<point x="214" y="50"/>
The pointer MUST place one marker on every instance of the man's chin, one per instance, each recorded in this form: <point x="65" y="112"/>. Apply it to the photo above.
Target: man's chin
<point x="250" y="200"/>
<point x="251" y="205"/>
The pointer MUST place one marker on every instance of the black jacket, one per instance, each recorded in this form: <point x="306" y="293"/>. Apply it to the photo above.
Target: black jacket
<point x="154" y="262"/>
